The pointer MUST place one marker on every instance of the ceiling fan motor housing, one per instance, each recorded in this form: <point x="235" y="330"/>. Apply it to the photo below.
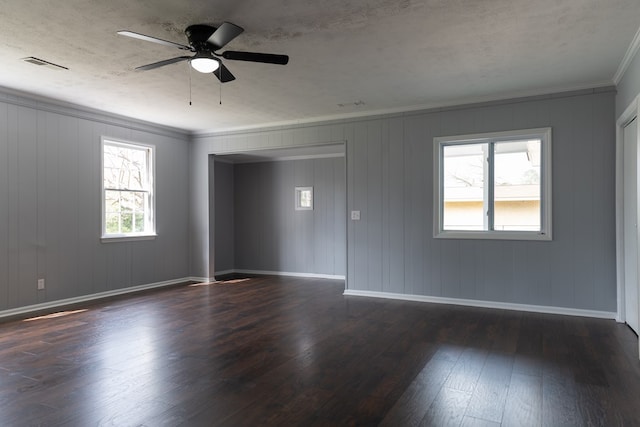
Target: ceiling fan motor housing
<point x="198" y="36"/>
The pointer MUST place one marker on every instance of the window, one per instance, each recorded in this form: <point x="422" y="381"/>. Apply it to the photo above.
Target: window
<point x="304" y="198"/>
<point x="127" y="190"/>
<point x="493" y="186"/>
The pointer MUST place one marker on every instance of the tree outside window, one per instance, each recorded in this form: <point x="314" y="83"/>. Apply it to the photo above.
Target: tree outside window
<point x="127" y="189"/>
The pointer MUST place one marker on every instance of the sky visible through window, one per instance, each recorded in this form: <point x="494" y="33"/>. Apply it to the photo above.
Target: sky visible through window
<point x="517" y="163"/>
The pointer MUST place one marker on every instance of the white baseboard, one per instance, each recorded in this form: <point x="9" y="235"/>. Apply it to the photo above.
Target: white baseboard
<point x="485" y="304"/>
<point x="282" y="273"/>
<point x="86" y="298"/>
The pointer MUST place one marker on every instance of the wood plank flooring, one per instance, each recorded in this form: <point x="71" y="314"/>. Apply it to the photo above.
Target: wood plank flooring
<point x="295" y="352"/>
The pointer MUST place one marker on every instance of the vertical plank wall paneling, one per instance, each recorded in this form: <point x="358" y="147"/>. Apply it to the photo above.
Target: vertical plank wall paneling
<point x="603" y="158"/>
<point x="27" y="198"/>
<point x="13" y="201"/>
<point x="268" y="233"/>
<point x="5" y="206"/>
<point x="373" y="206"/>
<point x="199" y="254"/>
<point x="85" y="224"/>
<point x="50" y="206"/>
<point x="359" y="244"/>
<point x="390" y="180"/>
<point x="395" y="221"/>
<point x="223" y="216"/>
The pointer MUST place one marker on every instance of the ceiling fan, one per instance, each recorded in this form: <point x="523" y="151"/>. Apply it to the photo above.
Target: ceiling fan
<point x="205" y="41"/>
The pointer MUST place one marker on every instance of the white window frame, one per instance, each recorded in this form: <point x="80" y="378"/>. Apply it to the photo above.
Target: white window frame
<point x="151" y="203"/>
<point x="298" y="195"/>
<point x="545" y="233"/>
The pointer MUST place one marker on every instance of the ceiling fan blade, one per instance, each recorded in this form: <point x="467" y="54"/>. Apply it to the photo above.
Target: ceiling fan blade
<point x="223" y="74"/>
<point x="154" y="40"/>
<point x="224" y="34"/>
<point x="268" y="58"/>
<point x="162" y="63"/>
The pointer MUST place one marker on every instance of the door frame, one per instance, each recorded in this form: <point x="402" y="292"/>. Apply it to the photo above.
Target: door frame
<point x="631" y="112"/>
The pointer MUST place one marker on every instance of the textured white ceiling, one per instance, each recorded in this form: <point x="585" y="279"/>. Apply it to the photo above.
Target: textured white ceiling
<point x="388" y="54"/>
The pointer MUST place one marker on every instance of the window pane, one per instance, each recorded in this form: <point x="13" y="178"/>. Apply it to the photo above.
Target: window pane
<point x="136" y="170"/>
<point x="305" y="198"/>
<point x="127" y="222"/>
<point x="125" y="211"/>
<point x="125" y="168"/>
<point x="139" y="222"/>
<point x="112" y="225"/>
<point x="139" y="201"/>
<point x="463" y="178"/>
<point x="517" y="185"/>
<point x="111" y="166"/>
<point x="112" y="201"/>
<point x="127" y="201"/>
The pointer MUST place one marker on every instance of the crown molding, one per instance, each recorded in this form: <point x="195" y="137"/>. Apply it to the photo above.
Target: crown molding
<point x="628" y="57"/>
<point x="456" y="104"/>
<point x="28" y="100"/>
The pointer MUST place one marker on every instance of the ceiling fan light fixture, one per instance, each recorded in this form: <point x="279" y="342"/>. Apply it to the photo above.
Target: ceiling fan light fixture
<point x="204" y="64"/>
<point x="204" y="40"/>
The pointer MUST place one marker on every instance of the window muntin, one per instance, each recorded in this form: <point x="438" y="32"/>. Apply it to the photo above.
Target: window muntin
<point x="494" y="186"/>
<point x="127" y="184"/>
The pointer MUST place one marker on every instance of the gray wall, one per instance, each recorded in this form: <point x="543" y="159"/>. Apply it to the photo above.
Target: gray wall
<point x="200" y="253"/>
<point x="389" y="178"/>
<point x="224" y="226"/>
<point x="50" y="206"/>
<point x="629" y="85"/>
<point x="257" y="227"/>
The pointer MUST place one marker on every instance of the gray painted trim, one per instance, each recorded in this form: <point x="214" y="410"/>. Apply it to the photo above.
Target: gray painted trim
<point x="485" y="304"/>
<point x="346" y="213"/>
<point x="625" y="118"/>
<point x="92" y="297"/>
<point x="628" y="58"/>
<point x="413" y="111"/>
<point x="292" y="148"/>
<point x="293" y="158"/>
<point x="22" y="99"/>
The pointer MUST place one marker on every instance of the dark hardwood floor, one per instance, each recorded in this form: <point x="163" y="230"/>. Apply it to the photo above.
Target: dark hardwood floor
<point x="295" y="352"/>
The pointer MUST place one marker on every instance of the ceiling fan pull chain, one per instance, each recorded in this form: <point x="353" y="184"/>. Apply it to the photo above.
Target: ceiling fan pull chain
<point x="189" y="84"/>
<point x="220" y="80"/>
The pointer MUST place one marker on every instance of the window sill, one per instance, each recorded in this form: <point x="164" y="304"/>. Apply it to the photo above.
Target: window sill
<point x="494" y="235"/>
<point x="127" y="238"/>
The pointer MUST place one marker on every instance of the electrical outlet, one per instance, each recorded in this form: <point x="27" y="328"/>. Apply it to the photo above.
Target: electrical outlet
<point x="355" y="215"/>
<point x="40" y="284"/>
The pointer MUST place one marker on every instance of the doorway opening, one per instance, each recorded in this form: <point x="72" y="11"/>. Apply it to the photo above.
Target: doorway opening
<point x="257" y="225"/>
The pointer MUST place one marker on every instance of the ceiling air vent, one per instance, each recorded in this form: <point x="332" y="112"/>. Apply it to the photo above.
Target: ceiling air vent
<point x="37" y="61"/>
